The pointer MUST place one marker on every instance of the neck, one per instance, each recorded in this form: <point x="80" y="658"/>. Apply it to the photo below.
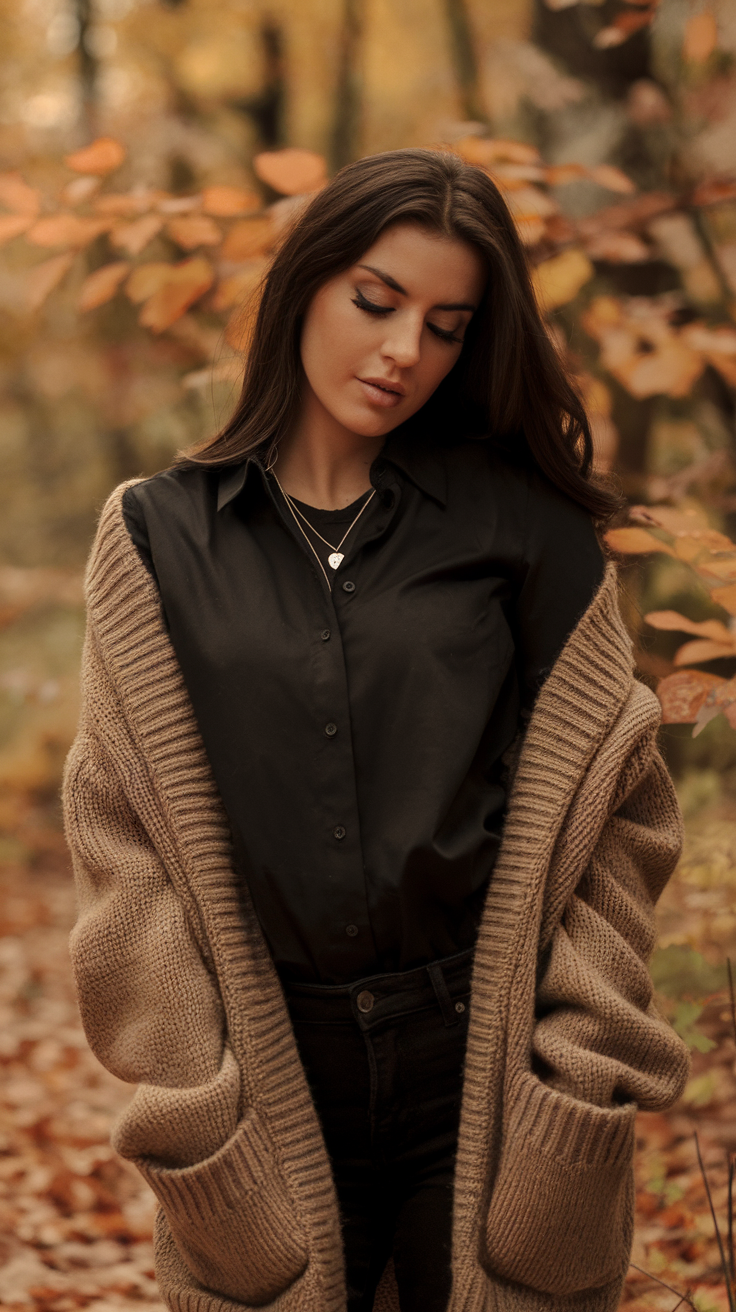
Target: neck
<point x="322" y="463"/>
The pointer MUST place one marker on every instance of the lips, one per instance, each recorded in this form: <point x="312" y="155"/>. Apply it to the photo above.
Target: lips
<point x="382" y="394"/>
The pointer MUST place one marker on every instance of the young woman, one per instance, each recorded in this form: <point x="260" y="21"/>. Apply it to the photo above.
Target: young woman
<point x="366" y="811"/>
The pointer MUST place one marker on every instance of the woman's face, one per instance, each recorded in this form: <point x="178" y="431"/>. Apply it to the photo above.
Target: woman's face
<point x="380" y="337"/>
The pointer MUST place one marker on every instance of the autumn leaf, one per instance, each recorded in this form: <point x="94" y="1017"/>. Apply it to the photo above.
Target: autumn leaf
<point x="617" y="247"/>
<point x="80" y="189"/>
<point x="16" y="195"/>
<point x="485" y="151"/>
<point x="672" y="621"/>
<point x="701" y="37"/>
<point x="607" y="175"/>
<point x="291" y="171"/>
<point x="234" y="289"/>
<point x="559" y="175"/>
<point x="186" y="283"/>
<point x="42" y="279"/>
<point x="102" y="285"/>
<point x="125" y="204"/>
<point x="194" y="230"/>
<point x="66" y="230"/>
<point x="694" y="653"/>
<point x="146" y="280"/>
<point x="247" y="238"/>
<point x="635" y="542"/>
<point x="682" y="695"/>
<point x="624" y="25"/>
<point x="725" y="597"/>
<point x="559" y="279"/>
<point x="12" y="225"/>
<point x="229" y="202"/>
<point x="134" y="237"/>
<point x="103" y="156"/>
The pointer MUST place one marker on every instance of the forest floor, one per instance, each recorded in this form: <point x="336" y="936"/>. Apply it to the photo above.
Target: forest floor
<point x="75" y="1221"/>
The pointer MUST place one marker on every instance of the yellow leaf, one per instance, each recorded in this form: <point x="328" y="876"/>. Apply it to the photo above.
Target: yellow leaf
<point x="701" y="37"/>
<point x="188" y="281"/>
<point x="635" y="542"/>
<point x="229" y="202"/>
<point x="559" y="279"/>
<point x="103" y="156"/>
<point x="291" y="171"/>
<point x="102" y="285"/>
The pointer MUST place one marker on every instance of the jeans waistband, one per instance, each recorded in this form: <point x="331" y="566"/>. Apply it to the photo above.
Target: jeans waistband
<point x="378" y="998"/>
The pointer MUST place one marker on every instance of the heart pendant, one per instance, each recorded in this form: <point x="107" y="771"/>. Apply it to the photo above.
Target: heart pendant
<point x="335" y="559"/>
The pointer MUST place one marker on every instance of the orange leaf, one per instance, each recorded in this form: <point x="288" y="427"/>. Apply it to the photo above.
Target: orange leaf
<point x="486" y="150"/>
<point x="16" y="195"/>
<point x="234" y="289"/>
<point x="125" y="204"/>
<point x="189" y="280"/>
<point x="713" y="568"/>
<point x="291" y="171"/>
<point x="671" y="620"/>
<point x="702" y="649"/>
<point x="701" y="37"/>
<point x="42" y="279"/>
<point x="713" y="193"/>
<point x="80" y="189"/>
<point x="194" y="230"/>
<point x="687" y="520"/>
<point x="618" y="247"/>
<point x="103" y="156"/>
<point x="12" y="225"/>
<point x="247" y="238"/>
<point x="558" y="175"/>
<point x="147" y="279"/>
<point x="725" y="597"/>
<point x="606" y="175"/>
<point x="683" y="694"/>
<point x="66" y="230"/>
<point x="102" y="285"/>
<point x="133" y="237"/>
<point x="635" y="542"/>
<point x="228" y="202"/>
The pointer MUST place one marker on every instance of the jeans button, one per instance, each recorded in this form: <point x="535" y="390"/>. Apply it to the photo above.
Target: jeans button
<point x="365" y="1001"/>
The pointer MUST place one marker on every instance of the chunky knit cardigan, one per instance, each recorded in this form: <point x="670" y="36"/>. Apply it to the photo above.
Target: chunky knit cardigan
<point x="179" y="995"/>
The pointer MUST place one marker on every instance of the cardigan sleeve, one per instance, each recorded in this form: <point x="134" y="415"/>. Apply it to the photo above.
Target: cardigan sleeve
<point x="599" y="1049"/>
<point x="149" y="1004"/>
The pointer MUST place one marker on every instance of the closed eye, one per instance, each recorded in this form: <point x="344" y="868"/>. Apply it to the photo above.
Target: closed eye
<point x="370" y="307"/>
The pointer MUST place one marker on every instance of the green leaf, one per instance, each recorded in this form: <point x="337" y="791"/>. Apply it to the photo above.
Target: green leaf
<point x="683" y="1021"/>
<point x="680" y="972"/>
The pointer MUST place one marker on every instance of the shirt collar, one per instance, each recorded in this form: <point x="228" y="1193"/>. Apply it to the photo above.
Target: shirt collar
<point x="422" y="462"/>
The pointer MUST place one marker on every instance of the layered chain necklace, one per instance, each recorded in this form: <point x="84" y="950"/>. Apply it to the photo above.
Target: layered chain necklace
<point x="336" y="557"/>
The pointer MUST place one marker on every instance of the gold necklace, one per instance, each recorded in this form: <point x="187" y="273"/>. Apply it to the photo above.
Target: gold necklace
<point x="336" y="558"/>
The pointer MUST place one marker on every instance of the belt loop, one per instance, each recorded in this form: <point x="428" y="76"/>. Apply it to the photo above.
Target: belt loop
<point x="442" y="993"/>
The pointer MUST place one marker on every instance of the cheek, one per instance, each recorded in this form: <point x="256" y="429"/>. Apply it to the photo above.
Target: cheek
<point x="333" y="340"/>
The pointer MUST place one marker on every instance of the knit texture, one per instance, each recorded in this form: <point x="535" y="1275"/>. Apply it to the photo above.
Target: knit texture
<point x="178" y="993"/>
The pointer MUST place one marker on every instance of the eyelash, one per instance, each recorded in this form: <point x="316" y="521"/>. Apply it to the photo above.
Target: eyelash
<point x="363" y="303"/>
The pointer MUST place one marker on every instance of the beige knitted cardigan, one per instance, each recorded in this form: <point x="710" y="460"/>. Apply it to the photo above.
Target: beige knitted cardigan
<point x="179" y="996"/>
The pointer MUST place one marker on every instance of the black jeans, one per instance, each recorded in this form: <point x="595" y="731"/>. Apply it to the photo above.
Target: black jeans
<point x="384" y="1059"/>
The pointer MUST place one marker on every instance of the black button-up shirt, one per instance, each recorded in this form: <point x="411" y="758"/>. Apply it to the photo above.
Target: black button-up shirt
<point x="356" y="734"/>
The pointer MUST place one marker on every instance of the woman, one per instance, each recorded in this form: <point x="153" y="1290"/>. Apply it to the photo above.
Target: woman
<point x="376" y="962"/>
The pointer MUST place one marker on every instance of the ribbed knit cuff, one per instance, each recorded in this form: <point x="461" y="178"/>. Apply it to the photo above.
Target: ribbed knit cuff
<point x="561" y="1214"/>
<point x="231" y="1217"/>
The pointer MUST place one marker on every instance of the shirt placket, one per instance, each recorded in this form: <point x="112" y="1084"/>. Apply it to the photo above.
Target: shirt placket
<point x="347" y="944"/>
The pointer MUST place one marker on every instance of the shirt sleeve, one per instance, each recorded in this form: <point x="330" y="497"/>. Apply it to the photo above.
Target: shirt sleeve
<point x="562" y="569"/>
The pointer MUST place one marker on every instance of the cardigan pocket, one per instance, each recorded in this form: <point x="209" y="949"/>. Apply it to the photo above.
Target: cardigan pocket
<point x="231" y="1217"/>
<point x="561" y="1214"/>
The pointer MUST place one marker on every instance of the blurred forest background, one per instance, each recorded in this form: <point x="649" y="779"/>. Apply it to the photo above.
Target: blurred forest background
<point x="151" y="151"/>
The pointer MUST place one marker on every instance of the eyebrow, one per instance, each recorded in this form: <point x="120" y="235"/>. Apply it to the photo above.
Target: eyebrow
<point x="396" y="287"/>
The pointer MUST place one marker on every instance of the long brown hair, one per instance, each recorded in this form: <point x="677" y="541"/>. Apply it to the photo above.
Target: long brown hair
<point x="508" y="384"/>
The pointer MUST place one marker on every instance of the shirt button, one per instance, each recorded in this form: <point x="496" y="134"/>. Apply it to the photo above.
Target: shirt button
<point x="365" y="1001"/>
<point x="339" y="832"/>
<point x="351" y="931"/>
<point x="348" y="586"/>
<point x="330" y="730"/>
<point x="459" y="1008"/>
<point x="325" y="635"/>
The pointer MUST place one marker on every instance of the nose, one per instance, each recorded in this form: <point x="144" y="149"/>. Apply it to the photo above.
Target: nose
<point x="402" y="343"/>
